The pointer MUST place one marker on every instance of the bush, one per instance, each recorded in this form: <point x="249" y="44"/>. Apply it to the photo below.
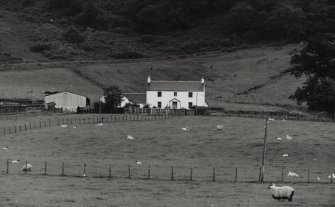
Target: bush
<point x="73" y="35"/>
<point x="129" y="55"/>
<point x="41" y="47"/>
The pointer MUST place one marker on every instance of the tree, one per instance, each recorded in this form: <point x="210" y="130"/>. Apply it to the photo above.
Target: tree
<point x="113" y="98"/>
<point x="317" y="62"/>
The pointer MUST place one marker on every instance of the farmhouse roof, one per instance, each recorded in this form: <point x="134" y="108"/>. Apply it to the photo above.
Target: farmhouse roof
<point x="193" y="86"/>
<point x="136" y="97"/>
<point x="66" y="92"/>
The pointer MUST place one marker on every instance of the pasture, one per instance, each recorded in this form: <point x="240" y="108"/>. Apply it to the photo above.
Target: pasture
<point x="162" y="144"/>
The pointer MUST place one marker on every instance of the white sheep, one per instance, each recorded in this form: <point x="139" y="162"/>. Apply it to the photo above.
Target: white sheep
<point x="130" y="137"/>
<point x="219" y="127"/>
<point x="281" y="193"/>
<point x="185" y="129"/>
<point x="100" y="124"/>
<point x="63" y="125"/>
<point x="27" y="167"/>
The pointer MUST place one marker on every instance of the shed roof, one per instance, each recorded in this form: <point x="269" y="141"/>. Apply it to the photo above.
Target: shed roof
<point x="65" y="92"/>
<point x="194" y="86"/>
<point x="136" y="97"/>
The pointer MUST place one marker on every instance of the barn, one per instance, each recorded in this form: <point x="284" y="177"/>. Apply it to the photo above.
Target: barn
<point x="67" y="101"/>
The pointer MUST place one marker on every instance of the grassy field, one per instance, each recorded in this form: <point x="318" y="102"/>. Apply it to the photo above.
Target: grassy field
<point x="239" y="146"/>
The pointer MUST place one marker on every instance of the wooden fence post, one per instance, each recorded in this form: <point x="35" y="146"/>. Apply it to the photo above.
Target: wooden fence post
<point x="213" y="175"/>
<point x="25" y="172"/>
<point x="110" y="171"/>
<point x="45" y="168"/>
<point x="282" y="174"/>
<point x="149" y="172"/>
<point x="191" y="174"/>
<point x="331" y="177"/>
<point x="235" y="174"/>
<point x="172" y="175"/>
<point x="7" y="170"/>
<point x="129" y="175"/>
<point x="308" y="175"/>
<point x="84" y="170"/>
<point x="63" y="168"/>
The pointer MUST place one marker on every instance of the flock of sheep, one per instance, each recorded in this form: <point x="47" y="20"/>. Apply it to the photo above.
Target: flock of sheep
<point x="278" y="193"/>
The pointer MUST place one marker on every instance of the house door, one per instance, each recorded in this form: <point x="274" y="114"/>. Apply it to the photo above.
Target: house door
<point x="174" y="104"/>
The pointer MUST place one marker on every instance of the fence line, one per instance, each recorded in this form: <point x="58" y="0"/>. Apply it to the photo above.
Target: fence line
<point x="148" y="173"/>
<point x="94" y="119"/>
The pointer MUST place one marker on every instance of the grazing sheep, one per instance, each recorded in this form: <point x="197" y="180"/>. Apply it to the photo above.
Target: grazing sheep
<point x="292" y="174"/>
<point x="281" y="193"/>
<point x="279" y="138"/>
<point x="15" y="161"/>
<point x="5" y="148"/>
<point x="219" y="127"/>
<point x="130" y="137"/>
<point x="331" y="176"/>
<point x="63" y="125"/>
<point x="138" y="162"/>
<point x="185" y="129"/>
<point x="100" y="124"/>
<point x="285" y="155"/>
<point x="288" y="137"/>
<point x="27" y="168"/>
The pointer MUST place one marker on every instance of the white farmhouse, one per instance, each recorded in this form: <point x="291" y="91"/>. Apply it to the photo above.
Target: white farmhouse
<point x="67" y="101"/>
<point x="176" y="94"/>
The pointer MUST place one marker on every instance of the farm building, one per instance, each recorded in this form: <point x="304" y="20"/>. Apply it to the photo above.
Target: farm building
<point x="176" y="94"/>
<point x="67" y="101"/>
<point x="130" y="98"/>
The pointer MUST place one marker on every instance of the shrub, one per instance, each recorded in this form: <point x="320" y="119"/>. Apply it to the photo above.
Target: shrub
<point x="41" y="47"/>
<point x="129" y="55"/>
<point x="73" y="35"/>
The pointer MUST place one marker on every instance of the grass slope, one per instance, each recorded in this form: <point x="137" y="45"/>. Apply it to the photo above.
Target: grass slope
<point x="251" y="76"/>
<point x="248" y="75"/>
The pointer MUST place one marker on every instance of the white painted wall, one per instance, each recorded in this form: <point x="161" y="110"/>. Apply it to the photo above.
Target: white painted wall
<point x="66" y="100"/>
<point x="198" y="99"/>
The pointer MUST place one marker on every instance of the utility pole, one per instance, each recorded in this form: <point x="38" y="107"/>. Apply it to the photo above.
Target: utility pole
<point x="264" y="148"/>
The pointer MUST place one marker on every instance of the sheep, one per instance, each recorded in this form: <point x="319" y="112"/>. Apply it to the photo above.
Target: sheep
<point x="27" y="168"/>
<point x="281" y="193"/>
<point x="63" y="125"/>
<point x="100" y="124"/>
<point x="130" y="137"/>
<point x="185" y="129"/>
<point x="138" y="162"/>
<point x="5" y="148"/>
<point x="279" y="138"/>
<point x="288" y="137"/>
<point x="15" y="161"/>
<point x="292" y="174"/>
<point x="285" y="155"/>
<point x="219" y="127"/>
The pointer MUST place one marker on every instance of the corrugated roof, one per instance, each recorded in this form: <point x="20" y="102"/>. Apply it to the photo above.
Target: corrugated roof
<point x="136" y="97"/>
<point x="194" y="86"/>
<point x="65" y="92"/>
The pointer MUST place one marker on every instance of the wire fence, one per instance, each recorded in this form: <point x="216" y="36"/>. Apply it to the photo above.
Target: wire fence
<point x="168" y="173"/>
<point x="79" y="120"/>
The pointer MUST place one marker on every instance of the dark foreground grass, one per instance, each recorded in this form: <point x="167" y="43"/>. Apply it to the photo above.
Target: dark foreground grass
<point x="163" y="144"/>
<point x="63" y="191"/>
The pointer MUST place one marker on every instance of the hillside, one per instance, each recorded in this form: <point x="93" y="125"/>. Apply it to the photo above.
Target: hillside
<point x="233" y="75"/>
<point x="61" y="30"/>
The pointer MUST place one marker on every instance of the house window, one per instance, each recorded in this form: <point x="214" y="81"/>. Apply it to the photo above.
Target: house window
<point x="159" y="93"/>
<point x="190" y="104"/>
<point x="159" y="104"/>
<point x="175" y="93"/>
<point x="190" y="94"/>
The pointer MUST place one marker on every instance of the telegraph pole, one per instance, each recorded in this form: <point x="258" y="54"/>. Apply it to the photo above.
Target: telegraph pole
<point x="264" y="149"/>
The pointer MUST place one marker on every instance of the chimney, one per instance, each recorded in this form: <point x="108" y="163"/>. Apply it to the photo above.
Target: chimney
<point x="202" y="80"/>
<point x="149" y="79"/>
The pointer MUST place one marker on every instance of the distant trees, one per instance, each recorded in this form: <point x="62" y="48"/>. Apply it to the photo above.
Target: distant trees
<point x="317" y="62"/>
<point x="113" y="98"/>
